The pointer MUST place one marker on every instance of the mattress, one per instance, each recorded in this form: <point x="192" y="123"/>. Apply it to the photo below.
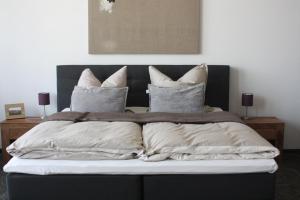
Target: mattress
<point x="138" y="167"/>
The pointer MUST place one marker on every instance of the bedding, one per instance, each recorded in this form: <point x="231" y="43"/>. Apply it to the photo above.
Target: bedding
<point x="90" y="140"/>
<point x="196" y="75"/>
<point x="101" y="99"/>
<point x="142" y="118"/>
<point x="146" y="109"/>
<point x="138" y="167"/>
<point x="187" y="99"/>
<point x="88" y="80"/>
<point x="137" y="109"/>
<point x="178" y="136"/>
<point x="211" y="141"/>
<point x="208" y="109"/>
<point x="90" y="95"/>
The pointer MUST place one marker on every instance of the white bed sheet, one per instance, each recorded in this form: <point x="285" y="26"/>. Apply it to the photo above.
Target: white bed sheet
<point x="138" y="167"/>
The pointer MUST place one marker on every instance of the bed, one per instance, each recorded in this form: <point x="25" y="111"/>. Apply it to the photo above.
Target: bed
<point x="135" y="180"/>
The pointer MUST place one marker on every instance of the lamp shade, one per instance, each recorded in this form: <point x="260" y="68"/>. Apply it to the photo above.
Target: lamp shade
<point x="247" y="99"/>
<point x="44" y="98"/>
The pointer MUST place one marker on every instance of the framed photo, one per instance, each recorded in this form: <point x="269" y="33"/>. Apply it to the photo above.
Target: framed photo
<point x="15" y="111"/>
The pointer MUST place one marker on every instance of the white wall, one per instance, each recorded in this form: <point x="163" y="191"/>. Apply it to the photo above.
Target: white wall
<point x="260" y="39"/>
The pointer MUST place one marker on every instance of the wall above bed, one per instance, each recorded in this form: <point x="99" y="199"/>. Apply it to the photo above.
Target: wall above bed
<point x="261" y="46"/>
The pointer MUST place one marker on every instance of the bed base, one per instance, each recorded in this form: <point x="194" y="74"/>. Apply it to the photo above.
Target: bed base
<point x="258" y="186"/>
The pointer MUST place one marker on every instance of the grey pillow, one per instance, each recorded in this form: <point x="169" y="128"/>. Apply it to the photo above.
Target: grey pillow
<point x="184" y="99"/>
<point x="100" y="99"/>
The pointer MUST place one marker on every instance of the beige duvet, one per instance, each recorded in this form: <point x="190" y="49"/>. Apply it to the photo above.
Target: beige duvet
<point x="81" y="136"/>
<point x="80" y="141"/>
<point x="221" y="141"/>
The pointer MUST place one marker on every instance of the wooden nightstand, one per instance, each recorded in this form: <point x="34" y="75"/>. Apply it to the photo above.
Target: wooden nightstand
<point x="14" y="128"/>
<point x="271" y="128"/>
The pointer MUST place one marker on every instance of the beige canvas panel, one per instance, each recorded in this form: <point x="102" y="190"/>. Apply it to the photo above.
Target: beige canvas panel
<point x="145" y="26"/>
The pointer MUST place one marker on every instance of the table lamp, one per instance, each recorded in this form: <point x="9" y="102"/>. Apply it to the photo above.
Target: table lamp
<point x="44" y="99"/>
<point x="247" y="101"/>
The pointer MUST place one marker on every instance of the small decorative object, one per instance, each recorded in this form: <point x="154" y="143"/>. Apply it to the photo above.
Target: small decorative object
<point x="15" y="111"/>
<point x="44" y="99"/>
<point x="247" y="101"/>
<point x="106" y="5"/>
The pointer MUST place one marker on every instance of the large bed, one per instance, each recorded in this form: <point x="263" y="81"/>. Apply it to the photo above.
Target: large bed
<point x="134" y="179"/>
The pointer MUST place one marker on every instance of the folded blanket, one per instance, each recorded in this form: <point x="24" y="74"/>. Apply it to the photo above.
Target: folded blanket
<point x="212" y="141"/>
<point x="79" y="141"/>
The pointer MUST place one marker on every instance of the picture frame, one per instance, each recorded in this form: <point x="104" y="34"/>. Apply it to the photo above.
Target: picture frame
<point x="144" y="27"/>
<point x="15" y="111"/>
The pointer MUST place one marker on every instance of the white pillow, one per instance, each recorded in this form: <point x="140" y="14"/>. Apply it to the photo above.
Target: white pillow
<point x="118" y="79"/>
<point x="136" y="109"/>
<point x="88" y="80"/>
<point x="196" y="75"/>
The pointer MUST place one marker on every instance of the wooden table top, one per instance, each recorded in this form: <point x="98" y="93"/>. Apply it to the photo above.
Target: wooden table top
<point x="26" y="120"/>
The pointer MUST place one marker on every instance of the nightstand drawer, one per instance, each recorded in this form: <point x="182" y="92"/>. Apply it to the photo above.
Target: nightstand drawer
<point x="15" y="133"/>
<point x="269" y="134"/>
<point x="273" y="127"/>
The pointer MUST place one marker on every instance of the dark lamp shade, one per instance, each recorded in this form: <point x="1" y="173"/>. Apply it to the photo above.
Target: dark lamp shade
<point x="44" y="99"/>
<point x="247" y="99"/>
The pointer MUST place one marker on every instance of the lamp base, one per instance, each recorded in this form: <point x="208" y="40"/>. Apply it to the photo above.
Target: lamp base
<point x="245" y="118"/>
<point x="44" y="115"/>
<point x="246" y="113"/>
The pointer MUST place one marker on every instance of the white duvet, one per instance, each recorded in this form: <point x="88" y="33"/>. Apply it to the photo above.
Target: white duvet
<point x="98" y="140"/>
<point x="213" y="141"/>
<point x="94" y="140"/>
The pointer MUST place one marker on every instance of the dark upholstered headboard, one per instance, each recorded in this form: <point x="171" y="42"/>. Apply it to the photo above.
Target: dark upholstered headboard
<point x="217" y="92"/>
